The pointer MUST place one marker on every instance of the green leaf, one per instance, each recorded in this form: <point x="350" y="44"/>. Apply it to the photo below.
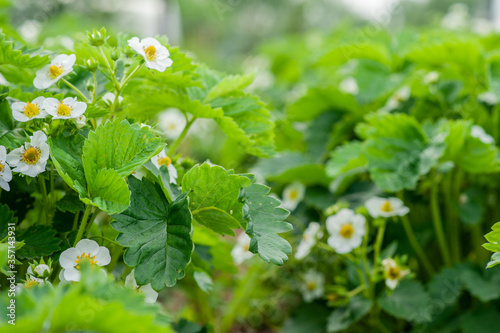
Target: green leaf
<point x="6" y="217"/>
<point x="39" y="241"/>
<point x="66" y="153"/>
<point x="495" y="260"/>
<point x="481" y="320"/>
<point x="108" y="191"/>
<point x="409" y="301"/>
<point x="10" y="136"/>
<point x="229" y="84"/>
<point x="10" y="56"/>
<point x="310" y="318"/>
<point x="265" y="222"/>
<point x="493" y="238"/>
<point x="446" y="285"/>
<point x="214" y="193"/>
<point x="482" y="287"/>
<point x="70" y="203"/>
<point x="347" y="158"/>
<point x="157" y="235"/>
<point x="342" y="318"/>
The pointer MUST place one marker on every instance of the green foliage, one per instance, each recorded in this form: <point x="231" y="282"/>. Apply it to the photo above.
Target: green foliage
<point x="11" y="56"/>
<point x="39" y="241"/>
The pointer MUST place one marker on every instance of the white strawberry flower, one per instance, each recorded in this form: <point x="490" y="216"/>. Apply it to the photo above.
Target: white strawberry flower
<point x="393" y="273"/>
<point x="30" y="110"/>
<point x="32" y="281"/>
<point x="109" y="98"/>
<point x="53" y="72"/>
<point x="240" y="251"/>
<point x="172" y="122"/>
<point x="478" y="132"/>
<point x="40" y="270"/>
<point x="431" y="78"/>
<point x="155" y="55"/>
<point x="163" y="159"/>
<point x="349" y="86"/>
<point x="346" y="230"/>
<point x="386" y="207"/>
<point x="488" y="97"/>
<point x="81" y="121"/>
<point x="313" y="285"/>
<point x="31" y="158"/>
<point x="66" y="109"/>
<point x="150" y="295"/>
<point x="399" y="97"/>
<point x="312" y="232"/>
<point x="85" y="251"/>
<point x="5" y="172"/>
<point x="293" y="194"/>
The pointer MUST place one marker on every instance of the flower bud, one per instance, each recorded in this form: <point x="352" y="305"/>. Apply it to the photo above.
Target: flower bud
<point x="97" y="37"/>
<point x="115" y="55"/>
<point x="91" y="64"/>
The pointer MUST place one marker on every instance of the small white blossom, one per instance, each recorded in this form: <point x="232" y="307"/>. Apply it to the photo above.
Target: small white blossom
<point x="30" y="110"/>
<point x="346" y="230"/>
<point x="293" y="194"/>
<point x="393" y="273"/>
<point x="382" y="207"/>
<point x="172" y="122"/>
<point x="65" y="109"/>
<point x="478" y="132"/>
<point x="312" y="232"/>
<point x="109" y="98"/>
<point x="488" y="97"/>
<point x="81" y="121"/>
<point x="150" y="295"/>
<point x="53" y="72"/>
<point x="240" y="251"/>
<point x="399" y="97"/>
<point x="5" y="172"/>
<point x="431" y="78"/>
<point x="457" y="17"/>
<point x="349" y="86"/>
<point x="163" y="159"/>
<point x="313" y="286"/>
<point x="85" y="251"/>
<point x="155" y="55"/>
<point x="31" y="158"/>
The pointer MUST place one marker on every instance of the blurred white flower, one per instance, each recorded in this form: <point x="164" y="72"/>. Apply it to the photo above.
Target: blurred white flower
<point x="30" y="30"/>
<point x="382" y="207"/>
<point x="482" y="26"/>
<point x="109" y="98"/>
<point x="155" y="55"/>
<point x="31" y="158"/>
<point x="240" y="251"/>
<point x="400" y="96"/>
<point x="65" y="109"/>
<point x="478" y="132"/>
<point x="5" y="172"/>
<point x="30" y="110"/>
<point x="293" y="194"/>
<point x="346" y="230"/>
<point x="349" y="86"/>
<point x="457" y="17"/>
<point x="172" y="122"/>
<point x="393" y="273"/>
<point x="163" y="159"/>
<point x="312" y="232"/>
<point x="85" y="251"/>
<point x="150" y="295"/>
<point x="488" y="97"/>
<point x="431" y="78"/>
<point x="313" y="285"/>
<point x="53" y="72"/>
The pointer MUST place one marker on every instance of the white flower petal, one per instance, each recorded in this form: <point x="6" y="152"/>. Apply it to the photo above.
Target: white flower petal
<point x="88" y="246"/>
<point x="103" y="257"/>
<point x="72" y="274"/>
<point x="68" y="257"/>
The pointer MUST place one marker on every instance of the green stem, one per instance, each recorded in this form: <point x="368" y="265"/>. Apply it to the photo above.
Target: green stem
<point x="76" y="90"/>
<point x="94" y="92"/>
<point x="125" y="81"/>
<point x="416" y="246"/>
<point x="91" y="221"/>
<point x="377" y="248"/>
<point x="177" y="142"/>
<point x="45" y="200"/>
<point x="83" y="224"/>
<point x="437" y="222"/>
<point x="106" y="239"/>
<point x="366" y="266"/>
<point x="453" y="225"/>
<point x="75" y="220"/>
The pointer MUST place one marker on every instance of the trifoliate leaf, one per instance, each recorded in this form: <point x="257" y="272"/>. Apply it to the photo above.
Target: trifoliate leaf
<point x="108" y="191"/>
<point x="214" y="193"/>
<point x="157" y="234"/>
<point x="265" y="222"/>
<point x="39" y="241"/>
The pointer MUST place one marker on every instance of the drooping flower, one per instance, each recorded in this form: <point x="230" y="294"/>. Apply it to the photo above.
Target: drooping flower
<point x="5" y="172"/>
<point x="163" y="159"/>
<point x="150" y="295"/>
<point x="293" y="194"/>
<point x="478" y="132"/>
<point x="349" y="86"/>
<point x="172" y="121"/>
<point x="109" y="98"/>
<point x="87" y="251"/>
<point x="386" y="207"/>
<point x="393" y="273"/>
<point x="53" y="72"/>
<point x="313" y="285"/>
<point x="312" y="232"/>
<point x="155" y="55"/>
<point x="31" y="158"/>
<point x="240" y="251"/>
<point x="30" y="110"/>
<point x="65" y="109"/>
<point x="346" y="230"/>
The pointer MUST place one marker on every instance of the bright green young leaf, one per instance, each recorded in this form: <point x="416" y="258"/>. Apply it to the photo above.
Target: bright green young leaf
<point x="158" y="235"/>
<point x="214" y="193"/>
<point x="229" y="84"/>
<point x="495" y="260"/>
<point x="346" y="158"/>
<point x="493" y="238"/>
<point x="108" y="191"/>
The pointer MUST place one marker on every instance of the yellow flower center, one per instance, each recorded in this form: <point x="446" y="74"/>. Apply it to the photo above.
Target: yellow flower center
<point x="31" y="283"/>
<point x="64" y="110"/>
<point x="31" y="110"/>
<point x="172" y="126"/>
<point x="1" y="167"/>
<point x="246" y="247"/>
<point x="55" y="71"/>
<point x="393" y="273"/>
<point x="305" y="237"/>
<point x="32" y="155"/>
<point x="150" y="52"/>
<point x="311" y="285"/>
<point x="332" y="297"/>
<point x="137" y="290"/>
<point x="87" y="258"/>
<point x="294" y="194"/>
<point x="166" y="161"/>
<point x="386" y="207"/>
<point x="346" y="231"/>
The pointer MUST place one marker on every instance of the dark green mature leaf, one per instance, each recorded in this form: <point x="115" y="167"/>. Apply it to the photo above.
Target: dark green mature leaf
<point x="342" y="318"/>
<point x="482" y="320"/>
<point x="6" y="217"/>
<point x="310" y="318"/>
<point x="409" y="301"/>
<point x="265" y="222"/>
<point x="214" y="193"/>
<point x="70" y="203"/>
<point x="10" y="136"/>
<point x="39" y="241"/>
<point x="157" y="234"/>
<point x="9" y="56"/>
<point x="108" y="191"/>
<point x="66" y="153"/>
<point x="446" y="286"/>
<point x="479" y="285"/>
